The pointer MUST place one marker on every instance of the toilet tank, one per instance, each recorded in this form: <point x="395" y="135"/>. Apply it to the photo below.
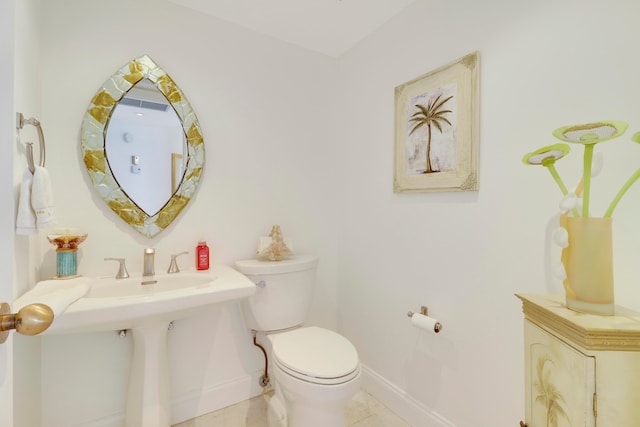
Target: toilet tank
<point x="284" y="300"/>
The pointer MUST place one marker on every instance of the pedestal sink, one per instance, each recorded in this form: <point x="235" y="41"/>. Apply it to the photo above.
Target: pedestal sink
<point x="147" y="310"/>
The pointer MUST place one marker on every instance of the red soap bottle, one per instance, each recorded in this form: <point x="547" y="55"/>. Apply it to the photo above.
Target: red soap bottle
<point x="202" y="256"/>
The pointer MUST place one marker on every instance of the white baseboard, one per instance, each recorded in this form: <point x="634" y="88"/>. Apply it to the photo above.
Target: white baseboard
<point x="211" y="399"/>
<point x="197" y="403"/>
<point x="403" y="405"/>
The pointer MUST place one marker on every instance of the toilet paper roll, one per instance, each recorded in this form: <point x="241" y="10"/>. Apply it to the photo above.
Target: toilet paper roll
<point x="425" y="322"/>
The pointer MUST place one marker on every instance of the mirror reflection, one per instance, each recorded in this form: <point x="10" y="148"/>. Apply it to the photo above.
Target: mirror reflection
<point x="145" y="145"/>
<point x="142" y="146"/>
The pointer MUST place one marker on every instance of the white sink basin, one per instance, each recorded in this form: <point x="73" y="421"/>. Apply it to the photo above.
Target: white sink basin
<point x="147" y="310"/>
<point x="149" y="286"/>
<point x="126" y="304"/>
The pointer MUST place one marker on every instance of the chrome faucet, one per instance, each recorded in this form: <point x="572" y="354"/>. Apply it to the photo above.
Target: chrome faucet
<point x="149" y="255"/>
<point x="173" y="267"/>
<point x="122" y="269"/>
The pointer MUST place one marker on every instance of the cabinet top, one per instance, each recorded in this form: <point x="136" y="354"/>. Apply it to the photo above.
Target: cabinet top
<point x="620" y="332"/>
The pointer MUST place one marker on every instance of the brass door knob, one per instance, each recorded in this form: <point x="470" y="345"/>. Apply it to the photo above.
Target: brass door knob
<point x="29" y="320"/>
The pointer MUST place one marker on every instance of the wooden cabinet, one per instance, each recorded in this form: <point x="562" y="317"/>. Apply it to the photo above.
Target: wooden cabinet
<point x="580" y="369"/>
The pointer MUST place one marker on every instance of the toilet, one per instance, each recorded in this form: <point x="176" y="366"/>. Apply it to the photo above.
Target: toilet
<point x="316" y="370"/>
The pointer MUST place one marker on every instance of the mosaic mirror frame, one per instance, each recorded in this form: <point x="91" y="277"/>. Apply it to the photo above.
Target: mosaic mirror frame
<point x="93" y="134"/>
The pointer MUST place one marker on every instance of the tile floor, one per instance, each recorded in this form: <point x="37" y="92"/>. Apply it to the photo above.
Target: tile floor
<point x="362" y="411"/>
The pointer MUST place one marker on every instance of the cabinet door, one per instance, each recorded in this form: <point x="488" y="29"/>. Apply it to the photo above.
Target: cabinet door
<point x="559" y="382"/>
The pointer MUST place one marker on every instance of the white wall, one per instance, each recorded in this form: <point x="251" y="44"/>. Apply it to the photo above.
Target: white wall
<point x="26" y="249"/>
<point x="286" y="131"/>
<point x="7" y="49"/>
<point x="542" y="65"/>
<point x="262" y="108"/>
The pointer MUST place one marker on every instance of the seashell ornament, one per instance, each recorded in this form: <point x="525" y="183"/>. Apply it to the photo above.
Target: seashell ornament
<point x="274" y="247"/>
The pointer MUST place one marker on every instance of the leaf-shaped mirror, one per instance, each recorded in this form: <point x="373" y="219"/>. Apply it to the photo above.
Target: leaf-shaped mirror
<point x="142" y="146"/>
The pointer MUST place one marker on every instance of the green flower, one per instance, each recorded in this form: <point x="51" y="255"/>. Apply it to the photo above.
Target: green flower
<point x="547" y="157"/>
<point x="589" y="135"/>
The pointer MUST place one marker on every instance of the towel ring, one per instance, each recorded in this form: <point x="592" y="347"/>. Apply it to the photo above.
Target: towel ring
<point x="20" y="122"/>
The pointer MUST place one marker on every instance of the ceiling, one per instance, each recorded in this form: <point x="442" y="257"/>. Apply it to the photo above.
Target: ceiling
<point x="330" y="27"/>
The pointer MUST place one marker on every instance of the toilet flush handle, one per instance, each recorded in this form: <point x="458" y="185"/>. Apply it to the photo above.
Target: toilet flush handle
<point x="261" y="284"/>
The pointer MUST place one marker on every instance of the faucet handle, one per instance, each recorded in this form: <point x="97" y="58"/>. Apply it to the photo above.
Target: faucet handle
<point x="173" y="267"/>
<point x="122" y="270"/>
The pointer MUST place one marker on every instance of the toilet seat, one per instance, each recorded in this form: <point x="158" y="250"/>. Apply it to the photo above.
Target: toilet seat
<point x="315" y="355"/>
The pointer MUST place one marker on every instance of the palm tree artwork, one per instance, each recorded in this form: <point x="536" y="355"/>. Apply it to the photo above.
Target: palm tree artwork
<point x="432" y="115"/>
<point x="548" y="394"/>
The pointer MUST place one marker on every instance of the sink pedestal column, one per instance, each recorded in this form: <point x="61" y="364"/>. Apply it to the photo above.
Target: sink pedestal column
<point x="148" y="394"/>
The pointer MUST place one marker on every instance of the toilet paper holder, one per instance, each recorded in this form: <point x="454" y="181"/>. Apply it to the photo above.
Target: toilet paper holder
<point x="424" y="310"/>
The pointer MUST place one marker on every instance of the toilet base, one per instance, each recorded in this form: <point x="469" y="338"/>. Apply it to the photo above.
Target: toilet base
<point x="297" y="403"/>
<point x="310" y="416"/>
<point x="301" y="416"/>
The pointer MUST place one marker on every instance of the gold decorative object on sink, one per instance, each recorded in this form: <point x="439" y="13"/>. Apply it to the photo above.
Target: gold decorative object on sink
<point x="66" y="244"/>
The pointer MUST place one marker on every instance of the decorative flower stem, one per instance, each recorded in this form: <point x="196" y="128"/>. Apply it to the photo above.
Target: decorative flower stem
<point x="596" y="167"/>
<point x="549" y="163"/>
<point x="632" y="179"/>
<point x="588" y="157"/>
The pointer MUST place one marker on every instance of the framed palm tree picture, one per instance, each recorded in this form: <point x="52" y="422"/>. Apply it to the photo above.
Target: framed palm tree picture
<point x="436" y="129"/>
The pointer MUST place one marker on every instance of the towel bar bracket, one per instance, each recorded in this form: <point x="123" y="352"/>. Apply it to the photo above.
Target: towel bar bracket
<point x="20" y="122"/>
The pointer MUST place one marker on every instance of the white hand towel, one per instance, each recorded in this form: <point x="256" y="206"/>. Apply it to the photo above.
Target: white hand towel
<point x="26" y="220"/>
<point x="42" y="197"/>
<point x="57" y="294"/>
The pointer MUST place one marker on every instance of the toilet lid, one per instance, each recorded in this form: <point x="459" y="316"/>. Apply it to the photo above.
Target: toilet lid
<point x="315" y="352"/>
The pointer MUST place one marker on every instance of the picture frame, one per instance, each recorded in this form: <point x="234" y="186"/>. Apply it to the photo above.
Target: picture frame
<point x="436" y="129"/>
